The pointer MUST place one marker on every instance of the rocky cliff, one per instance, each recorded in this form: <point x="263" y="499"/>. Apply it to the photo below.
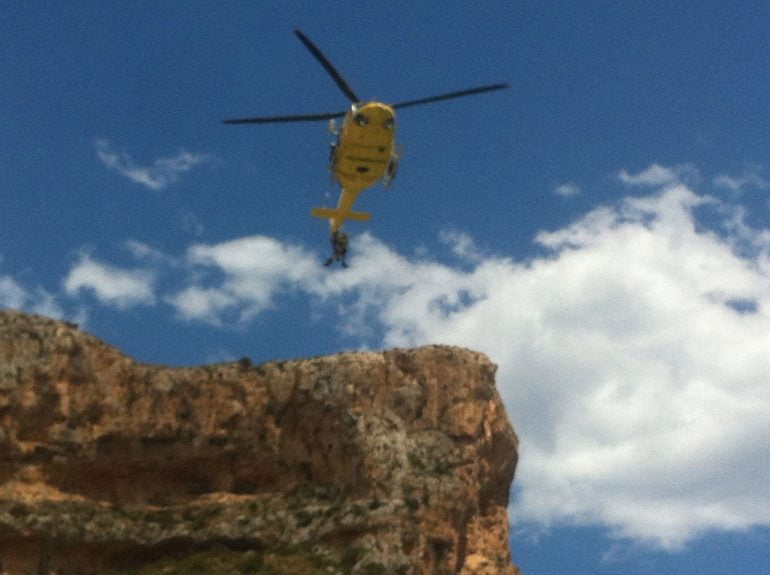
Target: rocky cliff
<point x="364" y="463"/>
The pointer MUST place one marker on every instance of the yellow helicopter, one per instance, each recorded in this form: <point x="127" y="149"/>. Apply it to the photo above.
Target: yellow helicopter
<point x="365" y="151"/>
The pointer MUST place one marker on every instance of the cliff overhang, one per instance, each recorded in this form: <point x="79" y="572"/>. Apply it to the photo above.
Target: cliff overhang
<point x="377" y="462"/>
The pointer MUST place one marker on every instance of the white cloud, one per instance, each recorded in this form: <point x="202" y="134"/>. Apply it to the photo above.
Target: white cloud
<point x="13" y="295"/>
<point x="751" y="178"/>
<point x="114" y="286"/>
<point x="730" y="183"/>
<point x="143" y="251"/>
<point x="656" y="175"/>
<point x="568" y="190"/>
<point x="632" y="355"/>
<point x="254" y="270"/>
<point x="461" y="244"/>
<point x="158" y="176"/>
<point x="197" y="303"/>
<point x="191" y="224"/>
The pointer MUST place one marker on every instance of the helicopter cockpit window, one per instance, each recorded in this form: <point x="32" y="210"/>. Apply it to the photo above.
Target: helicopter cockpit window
<point x="361" y="120"/>
<point x="389" y="124"/>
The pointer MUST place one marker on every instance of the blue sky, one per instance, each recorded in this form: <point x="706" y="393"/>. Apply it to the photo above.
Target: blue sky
<point x="600" y="230"/>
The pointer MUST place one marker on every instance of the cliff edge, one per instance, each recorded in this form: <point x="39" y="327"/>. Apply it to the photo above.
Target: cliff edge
<point x="363" y="463"/>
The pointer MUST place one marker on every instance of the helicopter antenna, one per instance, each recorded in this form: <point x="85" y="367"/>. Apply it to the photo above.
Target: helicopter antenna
<point x="450" y="95"/>
<point x="330" y="69"/>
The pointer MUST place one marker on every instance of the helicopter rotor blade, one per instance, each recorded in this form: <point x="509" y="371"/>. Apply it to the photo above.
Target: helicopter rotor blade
<point x="330" y="69"/>
<point x="285" y="119"/>
<point x="450" y="95"/>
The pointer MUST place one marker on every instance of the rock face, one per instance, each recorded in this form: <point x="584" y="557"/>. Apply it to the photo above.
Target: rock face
<point x="364" y="463"/>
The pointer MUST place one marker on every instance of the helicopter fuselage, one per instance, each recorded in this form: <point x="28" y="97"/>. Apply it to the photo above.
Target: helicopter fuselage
<point x="365" y="146"/>
<point x="364" y="154"/>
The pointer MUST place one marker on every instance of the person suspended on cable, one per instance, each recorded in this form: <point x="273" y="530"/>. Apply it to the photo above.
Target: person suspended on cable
<point x="339" y="241"/>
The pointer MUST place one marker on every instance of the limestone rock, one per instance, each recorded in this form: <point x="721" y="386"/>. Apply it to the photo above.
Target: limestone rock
<point x="392" y="462"/>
